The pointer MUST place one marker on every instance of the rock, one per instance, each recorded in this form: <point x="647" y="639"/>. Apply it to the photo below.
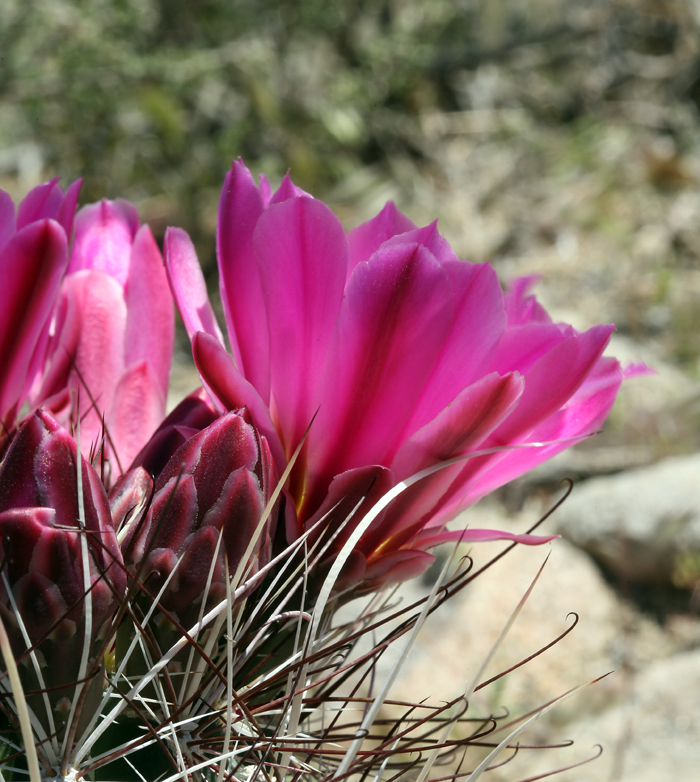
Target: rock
<point x="459" y="636"/>
<point x="644" y="525"/>
<point x="646" y="714"/>
<point x="654" y="735"/>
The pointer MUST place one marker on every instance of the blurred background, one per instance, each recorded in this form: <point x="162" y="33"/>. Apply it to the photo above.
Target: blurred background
<point x="558" y="137"/>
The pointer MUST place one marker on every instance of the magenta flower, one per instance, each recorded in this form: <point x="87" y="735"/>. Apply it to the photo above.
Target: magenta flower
<point x="33" y="259"/>
<point x="406" y="355"/>
<point x="207" y="503"/>
<point x="111" y="341"/>
<point x="41" y="549"/>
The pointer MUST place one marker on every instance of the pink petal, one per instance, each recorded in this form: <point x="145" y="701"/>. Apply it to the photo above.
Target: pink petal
<point x="100" y="352"/>
<point x="467" y="351"/>
<point x="66" y="212"/>
<point x="302" y="257"/>
<point x="150" y="327"/>
<point x="522" y="308"/>
<point x="104" y="233"/>
<point x="554" y="379"/>
<point x="240" y="208"/>
<point x="522" y="346"/>
<point x="218" y="371"/>
<point x="265" y="189"/>
<point x="367" y="238"/>
<point x="7" y="218"/>
<point x="396" y="567"/>
<point x="458" y="429"/>
<point x="286" y="190"/>
<point x="48" y="201"/>
<point x="430" y="238"/>
<point x="40" y="203"/>
<point x="350" y="497"/>
<point x="397" y="311"/>
<point x="136" y="411"/>
<point x="461" y="425"/>
<point x="429" y="540"/>
<point x="581" y="415"/>
<point x="52" y="359"/>
<point x="188" y="286"/>
<point x="31" y="265"/>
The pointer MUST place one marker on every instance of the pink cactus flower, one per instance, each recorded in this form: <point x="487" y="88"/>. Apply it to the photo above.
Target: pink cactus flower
<point x="43" y="583"/>
<point x="108" y="356"/>
<point x="405" y="355"/>
<point x="33" y="260"/>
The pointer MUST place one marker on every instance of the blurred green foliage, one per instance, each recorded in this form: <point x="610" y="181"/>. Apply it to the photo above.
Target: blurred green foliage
<point x="152" y="99"/>
<point x="155" y="97"/>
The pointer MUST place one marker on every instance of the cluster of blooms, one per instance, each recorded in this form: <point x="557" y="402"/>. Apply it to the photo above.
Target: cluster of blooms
<point x="357" y="360"/>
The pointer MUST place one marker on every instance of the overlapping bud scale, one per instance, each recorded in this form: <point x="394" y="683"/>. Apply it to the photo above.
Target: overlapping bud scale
<point x="206" y="508"/>
<point x="49" y="554"/>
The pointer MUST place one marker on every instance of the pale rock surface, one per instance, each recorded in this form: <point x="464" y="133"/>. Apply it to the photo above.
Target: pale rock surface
<point x="631" y="712"/>
<point x="642" y="524"/>
<point x="458" y="638"/>
<point x="654" y="736"/>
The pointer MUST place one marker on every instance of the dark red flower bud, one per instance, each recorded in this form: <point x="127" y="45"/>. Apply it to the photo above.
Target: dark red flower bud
<point x="215" y="485"/>
<point x="43" y="580"/>
<point x="193" y="414"/>
<point x="129" y="498"/>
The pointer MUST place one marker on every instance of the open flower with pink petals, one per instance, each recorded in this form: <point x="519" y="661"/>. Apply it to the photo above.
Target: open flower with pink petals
<point x="403" y="355"/>
<point x="108" y="355"/>
<point x="33" y="260"/>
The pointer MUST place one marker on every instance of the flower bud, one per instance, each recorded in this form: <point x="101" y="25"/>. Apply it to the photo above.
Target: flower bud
<point x="43" y="581"/>
<point x="208" y="501"/>
<point x="193" y="414"/>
